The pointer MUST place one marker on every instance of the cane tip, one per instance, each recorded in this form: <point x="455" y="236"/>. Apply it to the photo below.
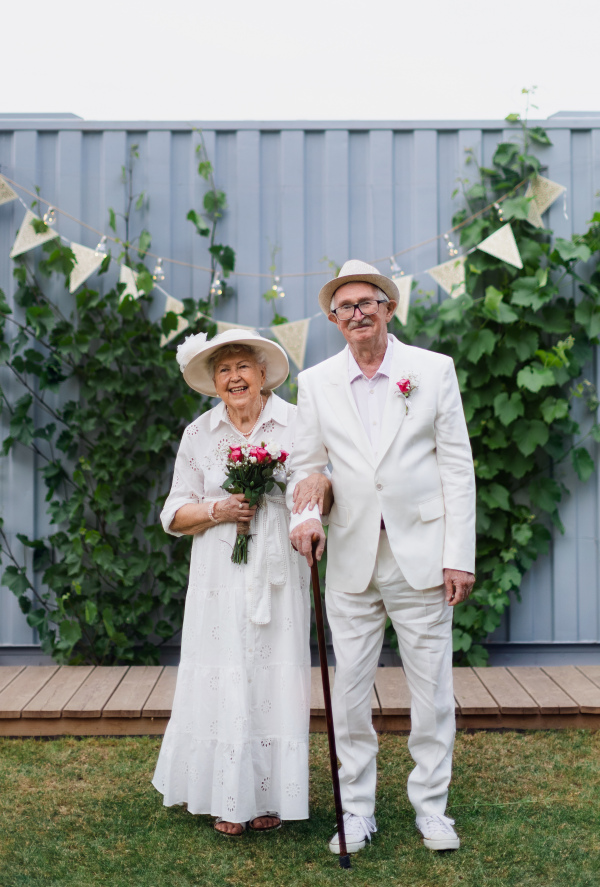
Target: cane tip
<point x="345" y="862"/>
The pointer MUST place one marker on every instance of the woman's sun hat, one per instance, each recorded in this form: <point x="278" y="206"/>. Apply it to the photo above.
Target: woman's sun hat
<point x="354" y="271"/>
<point x="193" y="357"/>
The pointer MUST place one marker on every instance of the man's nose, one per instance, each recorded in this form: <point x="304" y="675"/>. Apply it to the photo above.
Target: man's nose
<point x="360" y="314"/>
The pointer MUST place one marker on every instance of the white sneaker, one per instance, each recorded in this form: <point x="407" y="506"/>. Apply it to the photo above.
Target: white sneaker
<point x="357" y="830"/>
<point x="438" y="833"/>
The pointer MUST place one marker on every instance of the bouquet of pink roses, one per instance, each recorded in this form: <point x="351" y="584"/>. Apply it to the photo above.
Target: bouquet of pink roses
<point x="250" y="471"/>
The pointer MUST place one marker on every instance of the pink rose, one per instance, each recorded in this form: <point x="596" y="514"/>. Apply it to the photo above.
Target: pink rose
<point x="283" y="456"/>
<point x="235" y="454"/>
<point x="404" y="385"/>
<point x="261" y="455"/>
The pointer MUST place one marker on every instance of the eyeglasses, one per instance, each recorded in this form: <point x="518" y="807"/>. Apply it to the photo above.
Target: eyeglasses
<point x="369" y="306"/>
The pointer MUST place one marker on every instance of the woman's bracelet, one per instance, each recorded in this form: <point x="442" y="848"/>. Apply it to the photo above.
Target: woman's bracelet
<point x="211" y="511"/>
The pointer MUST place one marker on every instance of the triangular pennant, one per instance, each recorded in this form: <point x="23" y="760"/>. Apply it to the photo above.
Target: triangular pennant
<point x="86" y="263"/>
<point x="404" y="284"/>
<point x="6" y="192"/>
<point x="223" y="326"/>
<point x="293" y="336"/>
<point x="129" y="277"/>
<point x="182" y="324"/>
<point x="534" y="216"/>
<point x="545" y="192"/>
<point x="27" y="238"/>
<point x="503" y="246"/>
<point x="450" y="276"/>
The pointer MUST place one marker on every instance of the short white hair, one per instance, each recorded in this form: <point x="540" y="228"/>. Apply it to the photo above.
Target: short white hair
<point x="381" y="294"/>
<point x="236" y="348"/>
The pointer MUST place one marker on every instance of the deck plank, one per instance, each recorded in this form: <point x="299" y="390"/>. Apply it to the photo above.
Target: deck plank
<point x="471" y="695"/>
<point x="130" y="696"/>
<point x="54" y="695"/>
<point x="8" y="673"/>
<point x="23" y="688"/>
<point x="548" y="695"/>
<point x="592" y="672"/>
<point x="160" y="701"/>
<point x="393" y="692"/>
<point x="512" y="699"/>
<point x="317" y="702"/>
<point x="94" y="693"/>
<point x="583" y="691"/>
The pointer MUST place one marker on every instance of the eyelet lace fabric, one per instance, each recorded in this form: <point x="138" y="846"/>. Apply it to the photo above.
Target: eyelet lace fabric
<point x="237" y="740"/>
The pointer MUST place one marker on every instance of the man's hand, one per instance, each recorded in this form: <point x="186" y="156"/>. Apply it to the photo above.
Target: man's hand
<point x="301" y="539"/>
<point x="459" y="586"/>
<point x="313" y="490"/>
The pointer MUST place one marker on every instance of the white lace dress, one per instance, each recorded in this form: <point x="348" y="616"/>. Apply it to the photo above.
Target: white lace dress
<point x="236" y="745"/>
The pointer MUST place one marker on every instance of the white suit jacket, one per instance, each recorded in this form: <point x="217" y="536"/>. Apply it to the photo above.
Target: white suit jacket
<point x="422" y="482"/>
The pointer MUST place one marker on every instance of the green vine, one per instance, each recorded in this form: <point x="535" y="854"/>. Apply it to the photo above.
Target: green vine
<point x="106" y="584"/>
<point x="521" y="341"/>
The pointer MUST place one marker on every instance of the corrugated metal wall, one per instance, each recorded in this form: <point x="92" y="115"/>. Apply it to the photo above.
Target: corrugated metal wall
<point x="318" y="192"/>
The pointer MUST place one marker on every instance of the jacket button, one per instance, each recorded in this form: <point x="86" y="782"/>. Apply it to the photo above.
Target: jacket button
<point x="379" y="486"/>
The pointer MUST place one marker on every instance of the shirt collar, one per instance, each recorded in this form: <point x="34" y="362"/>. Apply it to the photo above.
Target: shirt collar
<point x="355" y="372"/>
<point x="275" y="408"/>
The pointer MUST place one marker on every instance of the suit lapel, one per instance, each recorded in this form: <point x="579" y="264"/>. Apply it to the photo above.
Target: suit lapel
<point x="395" y="408"/>
<point x="339" y="394"/>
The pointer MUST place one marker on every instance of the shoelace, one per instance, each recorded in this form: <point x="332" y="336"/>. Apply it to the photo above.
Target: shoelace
<point x="358" y="826"/>
<point x="439" y="823"/>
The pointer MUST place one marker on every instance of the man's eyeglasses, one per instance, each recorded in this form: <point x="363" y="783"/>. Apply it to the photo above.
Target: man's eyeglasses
<point x="369" y="306"/>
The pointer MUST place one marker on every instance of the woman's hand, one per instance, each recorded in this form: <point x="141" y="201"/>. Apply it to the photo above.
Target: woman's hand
<point x="234" y="509"/>
<point x="313" y="490"/>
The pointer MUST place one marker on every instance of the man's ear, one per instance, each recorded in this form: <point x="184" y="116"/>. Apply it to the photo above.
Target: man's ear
<point x="391" y="309"/>
<point x="332" y="318"/>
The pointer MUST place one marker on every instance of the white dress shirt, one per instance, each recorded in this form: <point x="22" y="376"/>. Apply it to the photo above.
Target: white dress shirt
<point x="369" y="397"/>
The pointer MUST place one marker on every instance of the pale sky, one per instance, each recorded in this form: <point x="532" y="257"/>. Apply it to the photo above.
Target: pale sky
<point x="304" y="60"/>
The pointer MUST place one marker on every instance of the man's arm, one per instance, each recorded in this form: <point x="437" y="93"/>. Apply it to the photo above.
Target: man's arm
<point x="309" y="456"/>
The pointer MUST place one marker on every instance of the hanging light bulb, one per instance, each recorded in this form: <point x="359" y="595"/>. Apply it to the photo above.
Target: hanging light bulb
<point x="101" y="247"/>
<point x="277" y="288"/>
<point x="498" y="209"/>
<point x="216" y="287"/>
<point x="565" y="213"/>
<point x="452" y="251"/>
<point x="158" y="273"/>
<point x="50" y="216"/>
<point x="395" y="268"/>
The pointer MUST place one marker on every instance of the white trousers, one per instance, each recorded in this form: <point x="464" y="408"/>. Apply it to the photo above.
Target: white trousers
<point x="423" y="623"/>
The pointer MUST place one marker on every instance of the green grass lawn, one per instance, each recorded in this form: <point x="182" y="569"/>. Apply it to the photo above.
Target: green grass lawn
<point x="83" y="813"/>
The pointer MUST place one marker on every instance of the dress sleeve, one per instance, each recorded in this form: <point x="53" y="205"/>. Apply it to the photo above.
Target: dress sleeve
<point x="188" y="483"/>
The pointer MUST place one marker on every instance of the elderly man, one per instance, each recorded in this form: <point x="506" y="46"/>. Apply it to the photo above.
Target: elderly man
<point x="389" y="419"/>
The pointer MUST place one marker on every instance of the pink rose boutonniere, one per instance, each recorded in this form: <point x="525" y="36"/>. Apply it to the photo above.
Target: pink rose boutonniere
<point x="406" y="386"/>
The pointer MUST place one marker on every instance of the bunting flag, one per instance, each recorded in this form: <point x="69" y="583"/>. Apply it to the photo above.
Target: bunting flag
<point x="545" y="192"/>
<point x="182" y="324"/>
<point x="223" y="326"/>
<point x="293" y="336"/>
<point x="404" y="285"/>
<point x="6" y="192"/>
<point x="86" y="263"/>
<point x="129" y="277"/>
<point x="502" y="245"/>
<point x="450" y="276"/>
<point x="534" y="217"/>
<point x="27" y="238"/>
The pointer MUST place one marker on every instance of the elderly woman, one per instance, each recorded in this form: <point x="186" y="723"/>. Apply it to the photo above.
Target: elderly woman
<point x="237" y="742"/>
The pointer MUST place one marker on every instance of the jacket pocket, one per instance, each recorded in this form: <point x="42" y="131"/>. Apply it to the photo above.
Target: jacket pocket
<point x="432" y="508"/>
<point x="339" y="515"/>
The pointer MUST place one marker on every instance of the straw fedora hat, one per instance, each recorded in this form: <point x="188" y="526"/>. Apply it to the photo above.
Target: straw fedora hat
<point x="353" y="271"/>
<point x="193" y="357"/>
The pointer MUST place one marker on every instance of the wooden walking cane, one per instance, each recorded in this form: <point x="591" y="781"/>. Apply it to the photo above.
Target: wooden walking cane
<point x="344" y="858"/>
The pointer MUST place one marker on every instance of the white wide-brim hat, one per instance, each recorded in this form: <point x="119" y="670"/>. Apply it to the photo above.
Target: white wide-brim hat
<point x="354" y="271"/>
<point x="194" y="355"/>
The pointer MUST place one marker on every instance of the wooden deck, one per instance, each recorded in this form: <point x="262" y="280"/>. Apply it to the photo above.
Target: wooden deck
<point x="106" y="701"/>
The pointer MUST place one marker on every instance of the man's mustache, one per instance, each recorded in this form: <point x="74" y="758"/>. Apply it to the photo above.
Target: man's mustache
<point x="355" y="324"/>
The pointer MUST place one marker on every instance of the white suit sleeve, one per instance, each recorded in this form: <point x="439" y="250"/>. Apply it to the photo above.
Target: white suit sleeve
<point x="309" y="454"/>
<point x="455" y="460"/>
<point x="187" y="487"/>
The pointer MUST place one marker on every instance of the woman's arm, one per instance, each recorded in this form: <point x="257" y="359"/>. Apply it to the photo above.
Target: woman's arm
<point x="192" y="519"/>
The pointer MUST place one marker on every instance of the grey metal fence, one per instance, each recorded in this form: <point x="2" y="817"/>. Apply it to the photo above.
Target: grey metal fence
<point x="318" y="192"/>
